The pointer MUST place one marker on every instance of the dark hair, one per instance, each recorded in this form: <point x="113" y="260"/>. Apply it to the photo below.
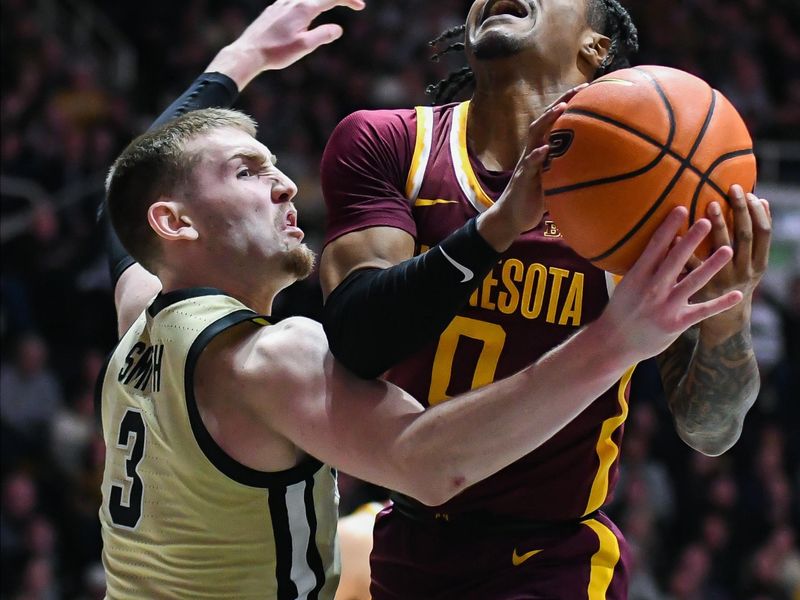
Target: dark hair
<point x="155" y="164"/>
<point x="608" y="17"/>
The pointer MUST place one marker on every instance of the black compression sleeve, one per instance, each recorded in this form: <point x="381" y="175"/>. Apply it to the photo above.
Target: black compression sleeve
<point x="377" y="317"/>
<point x="210" y="90"/>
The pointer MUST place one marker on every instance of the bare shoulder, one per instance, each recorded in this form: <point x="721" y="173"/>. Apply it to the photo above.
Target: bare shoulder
<point x="293" y="352"/>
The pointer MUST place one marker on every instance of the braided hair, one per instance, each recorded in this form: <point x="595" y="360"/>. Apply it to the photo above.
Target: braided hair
<point x="607" y="17"/>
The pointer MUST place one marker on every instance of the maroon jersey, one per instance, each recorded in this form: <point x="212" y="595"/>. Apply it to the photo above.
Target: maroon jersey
<point x="412" y="169"/>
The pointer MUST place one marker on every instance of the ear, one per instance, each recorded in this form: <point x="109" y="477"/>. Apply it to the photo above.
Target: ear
<point x="594" y="51"/>
<point x="169" y="221"/>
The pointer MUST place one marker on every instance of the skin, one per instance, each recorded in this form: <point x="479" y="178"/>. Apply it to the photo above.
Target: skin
<point x="234" y="228"/>
<point x="536" y="62"/>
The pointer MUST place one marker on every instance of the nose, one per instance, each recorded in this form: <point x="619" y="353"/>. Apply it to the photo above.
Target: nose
<point x="283" y="190"/>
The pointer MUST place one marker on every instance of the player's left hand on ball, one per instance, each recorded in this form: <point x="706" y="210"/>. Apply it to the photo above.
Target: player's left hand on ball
<point x="752" y="233"/>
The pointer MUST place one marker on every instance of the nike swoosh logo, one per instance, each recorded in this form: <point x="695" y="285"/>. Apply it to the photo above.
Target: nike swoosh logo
<point x="464" y="270"/>
<point x="517" y="560"/>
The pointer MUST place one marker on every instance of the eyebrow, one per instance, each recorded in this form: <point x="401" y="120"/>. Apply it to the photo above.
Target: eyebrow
<point x="256" y="157"/>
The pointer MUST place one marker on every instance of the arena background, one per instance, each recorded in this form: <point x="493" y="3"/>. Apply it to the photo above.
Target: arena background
<point x="82" y="77"/>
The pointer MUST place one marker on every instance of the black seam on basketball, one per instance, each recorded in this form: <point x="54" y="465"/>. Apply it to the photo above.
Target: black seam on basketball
<point x="706" y="177"/>
<point x="670" y="186"/>
<point x="664" y="148"/>
<point x="635" y="229"/>
<point x="640" y="135"/>
<point x="699" y="139"/>
<point x="613" y="179"/>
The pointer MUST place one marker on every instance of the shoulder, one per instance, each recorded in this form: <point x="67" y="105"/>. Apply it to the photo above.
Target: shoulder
<point x="368" y="128"/>
<point x="293" y="351"/>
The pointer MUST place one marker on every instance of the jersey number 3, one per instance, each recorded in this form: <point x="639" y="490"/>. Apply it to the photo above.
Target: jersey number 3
<point x="127" y="512"/>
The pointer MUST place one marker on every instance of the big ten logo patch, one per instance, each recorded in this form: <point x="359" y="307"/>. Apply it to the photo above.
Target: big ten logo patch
<point x="551" y="230"/>
<point x="560" y="141"/>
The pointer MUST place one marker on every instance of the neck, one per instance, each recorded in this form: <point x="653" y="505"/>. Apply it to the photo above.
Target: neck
<point x="503" y="107"/>
<point x="257" y="295"/>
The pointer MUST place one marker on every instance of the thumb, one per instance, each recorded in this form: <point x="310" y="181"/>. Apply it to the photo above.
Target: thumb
<point x="324" y="34"/>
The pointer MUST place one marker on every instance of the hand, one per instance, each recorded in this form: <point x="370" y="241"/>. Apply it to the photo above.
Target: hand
<point x="752" y="226"/>
<point x="521" y="206"/>
<point x="651" y="306"/>
<point x="278" y="37"/>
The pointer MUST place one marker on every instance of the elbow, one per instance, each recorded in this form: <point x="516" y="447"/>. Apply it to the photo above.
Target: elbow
<point x="435" y="492"/>
<point x="712" y="442"/>
<point x="432" y="482"/>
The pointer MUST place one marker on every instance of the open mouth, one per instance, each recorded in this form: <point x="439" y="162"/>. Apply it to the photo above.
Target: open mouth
<point x="291" y="219"/>
<point x="510" y="8"/>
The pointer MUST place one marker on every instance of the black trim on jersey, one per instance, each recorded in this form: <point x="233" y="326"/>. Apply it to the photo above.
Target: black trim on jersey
<point x="98" y="389"/>
<point x="162" y="301"/>
<point x="287" y="590"/>
<point x="216" y="455"/>
<point x="313" y="557"/>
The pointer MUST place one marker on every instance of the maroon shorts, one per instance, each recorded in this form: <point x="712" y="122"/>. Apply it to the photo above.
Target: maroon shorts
<point x="417" y="560"/>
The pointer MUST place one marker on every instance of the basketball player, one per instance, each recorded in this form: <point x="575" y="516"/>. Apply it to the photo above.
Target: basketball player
<point x="222" y="428"/>
<point x="398" y="182"/>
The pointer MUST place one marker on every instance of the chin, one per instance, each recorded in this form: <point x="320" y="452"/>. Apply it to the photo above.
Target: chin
<point x="299" y="261"/>
<point x="497" y="44"/>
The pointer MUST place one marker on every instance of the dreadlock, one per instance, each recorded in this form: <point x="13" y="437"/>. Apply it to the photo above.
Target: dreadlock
<point x="608" y="17"/>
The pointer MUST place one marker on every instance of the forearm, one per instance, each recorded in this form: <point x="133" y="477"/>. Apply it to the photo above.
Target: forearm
<point x="377" y="317"/>
<point x="711" y="381"/>
<point x="209" y="90"/>
<point x="446" y="447"/>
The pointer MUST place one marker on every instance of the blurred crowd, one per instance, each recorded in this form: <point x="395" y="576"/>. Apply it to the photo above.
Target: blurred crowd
<point x="701" y="528"/>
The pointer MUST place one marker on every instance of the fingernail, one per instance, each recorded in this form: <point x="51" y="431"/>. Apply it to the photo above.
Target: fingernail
<point x="714" y="209"/>
<point x="738" y="191"/>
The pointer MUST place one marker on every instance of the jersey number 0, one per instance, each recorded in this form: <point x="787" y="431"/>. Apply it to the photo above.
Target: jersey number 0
<point x="127" y="512"/>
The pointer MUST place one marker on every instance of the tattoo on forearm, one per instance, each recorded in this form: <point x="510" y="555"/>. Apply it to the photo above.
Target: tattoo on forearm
<point x="710" y="389"/>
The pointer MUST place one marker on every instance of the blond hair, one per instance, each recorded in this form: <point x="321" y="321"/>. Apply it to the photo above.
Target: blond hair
<point x="156" y="164"/>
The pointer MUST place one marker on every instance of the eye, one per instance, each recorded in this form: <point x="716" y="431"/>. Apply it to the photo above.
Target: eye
<point x="244" y="172"/>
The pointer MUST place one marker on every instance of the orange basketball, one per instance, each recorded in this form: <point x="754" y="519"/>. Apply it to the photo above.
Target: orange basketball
<point x="632" y="146"/>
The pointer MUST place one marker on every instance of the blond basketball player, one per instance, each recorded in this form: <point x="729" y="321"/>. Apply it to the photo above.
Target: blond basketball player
<point x="223" y="429"/>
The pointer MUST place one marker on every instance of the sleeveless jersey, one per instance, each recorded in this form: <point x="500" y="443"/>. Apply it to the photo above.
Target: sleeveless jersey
<point x="539" y="293"/>
<point x="180" y="518"/>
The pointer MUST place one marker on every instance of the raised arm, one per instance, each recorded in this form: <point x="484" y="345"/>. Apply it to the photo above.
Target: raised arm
<point x="375" y="431"/>
<point x="710" y="373"/>
<point x="277" y="38"/>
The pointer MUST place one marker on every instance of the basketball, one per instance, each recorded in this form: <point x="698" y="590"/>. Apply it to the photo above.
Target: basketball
<point x="631" y="147"/>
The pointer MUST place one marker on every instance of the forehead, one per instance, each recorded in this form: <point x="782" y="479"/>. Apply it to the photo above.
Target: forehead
<point x="224" y="143"/>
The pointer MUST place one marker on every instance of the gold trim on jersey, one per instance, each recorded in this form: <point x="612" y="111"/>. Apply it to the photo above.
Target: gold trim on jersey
<point x="422" y="151"/>
<point x="428" y="202"/>
<point x="607" y="449"/>
<point x="467" y="180"/>
<point x="601" y="572"/>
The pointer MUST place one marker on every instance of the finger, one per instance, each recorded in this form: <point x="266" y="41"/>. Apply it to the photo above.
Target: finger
<point x="319" y="36"/>
<point x="539" y="131"/>
<point x="320" y="6"/>
<point x="767" y="208"/>
<point x="699" y="312"/>
<point x="699" y="277"/>
<point x="659" y="243"/>
<point x="719" y="228"/>
<point x="762" y="232"/>
<point x="570" y="94"/>
<point x="676" y="258"/>
<point x="529" y="165"/>
<point x="743" y="229"/>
